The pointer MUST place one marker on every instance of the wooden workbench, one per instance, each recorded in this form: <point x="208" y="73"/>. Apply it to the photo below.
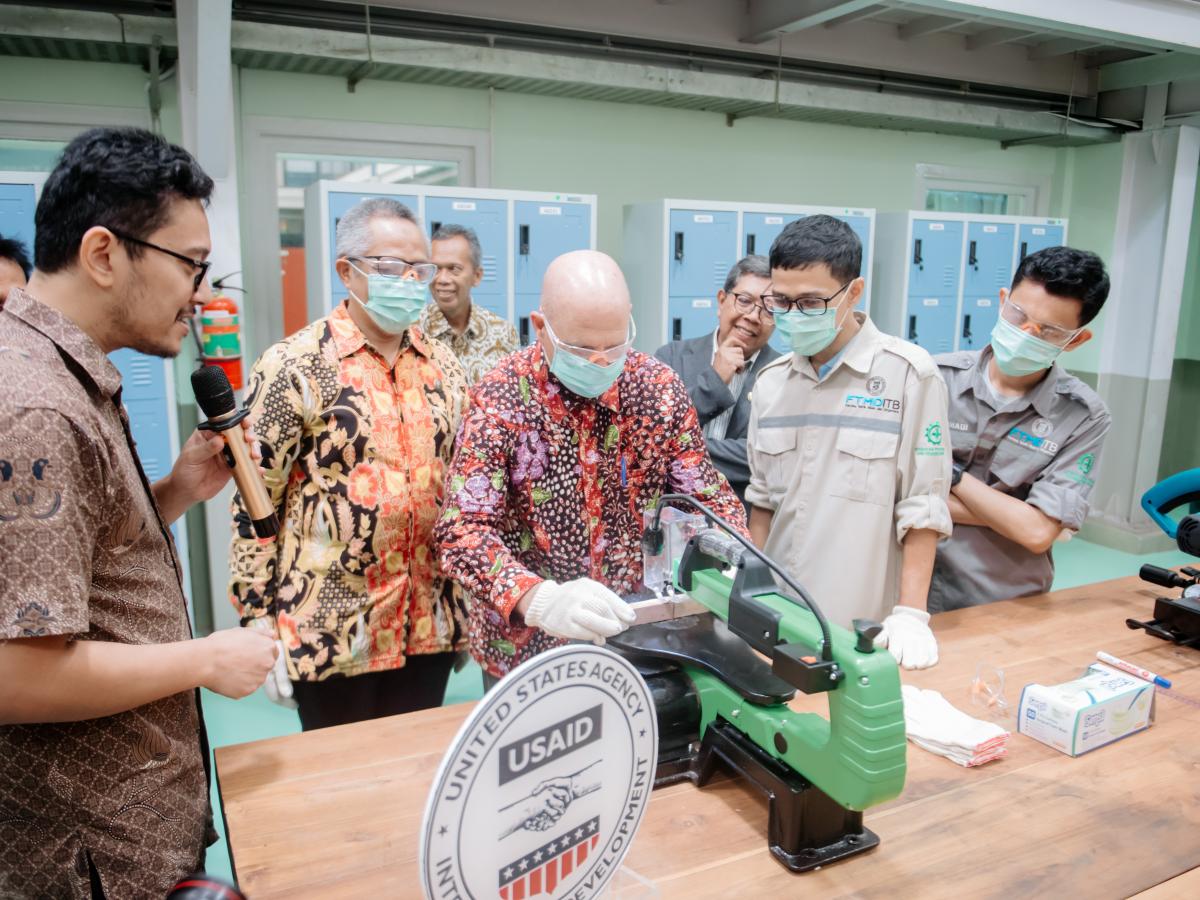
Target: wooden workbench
<point x="335" y="813"/>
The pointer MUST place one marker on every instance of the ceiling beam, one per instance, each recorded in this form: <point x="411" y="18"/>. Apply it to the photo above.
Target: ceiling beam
<point x="926" y="25"/>
<point x="1167" y="24"/>
<point x="861" y="16"/>
<point x="1159" y="69"/>
<point x="765" y="19"/>
<point x="991" y="37"/>
<point x="1059" y="47"/>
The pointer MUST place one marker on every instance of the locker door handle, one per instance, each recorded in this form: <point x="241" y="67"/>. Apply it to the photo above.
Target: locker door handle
<point x="1024" y="249"/>
<point x="524" y="329"/>
<point x="749" y="244"/>
<point x="524" y="240"/>
<point x="677" y="329"/>
<point x="679" y="246"/>
<point x="434" y="228"/>
<point x="917" y="252"/>
<point x="972" y="259"/>
<point x="912" y="328"/>
<point x="966" y="328"/>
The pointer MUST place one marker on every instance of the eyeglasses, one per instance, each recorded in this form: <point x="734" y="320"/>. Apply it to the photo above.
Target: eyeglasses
<point x="1051" y="334"/>
<point x="744" y="303"/>
<point x="809" y="306"/>
<point x="393" y="267"/>
<point x="201" y="265"/>
<point x="602" y="357"/>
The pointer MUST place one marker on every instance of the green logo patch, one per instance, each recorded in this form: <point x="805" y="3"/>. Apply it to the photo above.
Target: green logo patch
<point x="933" y="441"/>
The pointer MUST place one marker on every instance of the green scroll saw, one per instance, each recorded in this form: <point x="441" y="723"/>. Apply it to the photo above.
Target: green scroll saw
<point x="719" y="702"/>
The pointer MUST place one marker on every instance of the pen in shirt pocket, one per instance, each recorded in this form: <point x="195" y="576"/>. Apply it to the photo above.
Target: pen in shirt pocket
<point x="624" y="473"/>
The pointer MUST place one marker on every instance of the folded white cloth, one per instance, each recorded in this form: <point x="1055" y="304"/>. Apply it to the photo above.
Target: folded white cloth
<point x="934" y="724"/>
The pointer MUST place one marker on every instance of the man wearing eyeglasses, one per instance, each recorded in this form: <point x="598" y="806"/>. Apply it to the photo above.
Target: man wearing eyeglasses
<point x="566" y="444"/>
<point x="848" y="455"/>
<point x="103" y="757"/>
<point x="1026" y="435"/>
<point x="357" y="414"/>
<point x="478" y="337"/>
<point x="719" y="369"/>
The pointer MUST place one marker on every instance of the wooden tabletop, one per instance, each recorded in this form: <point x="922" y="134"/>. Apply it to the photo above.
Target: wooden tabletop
<point x="335" y="813"/>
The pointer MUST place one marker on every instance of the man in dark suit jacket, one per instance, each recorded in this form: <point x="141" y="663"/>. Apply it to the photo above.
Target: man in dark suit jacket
<point x="719" y="369"/>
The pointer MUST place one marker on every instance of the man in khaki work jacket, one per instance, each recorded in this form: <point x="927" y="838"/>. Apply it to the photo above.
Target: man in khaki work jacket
<point x="849" y="453"/>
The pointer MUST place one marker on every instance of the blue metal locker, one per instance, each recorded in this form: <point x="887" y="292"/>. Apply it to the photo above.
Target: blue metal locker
<point x="760" y="230"/>
<point x="936" y="258"/>
<point x="930" y="322"/>
<point x="702" y="247"/>
<point x="339" y="204"/>
<point x="17" y="205"/>
<point x="489" y="220"/>
<point x="1038" y="237"/>
<point x="543" y="231"/>
<point x="988" y="265"/>
<point x="978" y="318"/>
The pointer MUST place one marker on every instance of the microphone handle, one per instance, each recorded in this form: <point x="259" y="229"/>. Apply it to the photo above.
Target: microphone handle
<point x="248" y="479"/>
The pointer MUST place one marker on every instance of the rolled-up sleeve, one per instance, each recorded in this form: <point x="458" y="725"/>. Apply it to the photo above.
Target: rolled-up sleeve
<point x="1063" y="489"/>
<point x="276" y="411"/>
<point x="51" y="501"/>
<point x="923" y="461"/>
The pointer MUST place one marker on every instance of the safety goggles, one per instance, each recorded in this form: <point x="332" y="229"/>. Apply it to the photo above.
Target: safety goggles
<point x="605" y="357"/>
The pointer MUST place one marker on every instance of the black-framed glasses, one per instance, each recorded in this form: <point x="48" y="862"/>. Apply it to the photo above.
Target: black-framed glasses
<point x="200" y="265"/>
<point x="394" y="267"/>
<point x="744" y="303"/>
<point x="809" y="306"/>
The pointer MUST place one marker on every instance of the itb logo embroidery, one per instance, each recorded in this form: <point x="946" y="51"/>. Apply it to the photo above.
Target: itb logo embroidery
<point x="516" y="810"/>
<point x="876" y="385"/>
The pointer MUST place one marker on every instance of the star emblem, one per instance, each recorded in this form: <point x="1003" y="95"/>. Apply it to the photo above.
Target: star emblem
<point x="537" y="857"/>
<point x="442" y="831"/>
<point x="592" y="825"/>
<point x="642" y="733"/>
<point x="578" y="833"/>
<point x="508" y="872"/>
<point x="524" y="865"/>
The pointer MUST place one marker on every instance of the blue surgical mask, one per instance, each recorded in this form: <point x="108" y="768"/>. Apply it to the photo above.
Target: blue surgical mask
<point x="808" y="335"/>
<point x="582" y="376"/>
<point x="1019" y="352"/>
<point x="393" y="303"/>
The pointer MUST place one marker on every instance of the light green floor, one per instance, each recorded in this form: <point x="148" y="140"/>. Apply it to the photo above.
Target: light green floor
<point x="234" y="722"/>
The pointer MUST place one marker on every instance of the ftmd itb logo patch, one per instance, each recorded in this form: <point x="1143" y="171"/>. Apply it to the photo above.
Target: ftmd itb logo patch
<point x="544" y="787"/>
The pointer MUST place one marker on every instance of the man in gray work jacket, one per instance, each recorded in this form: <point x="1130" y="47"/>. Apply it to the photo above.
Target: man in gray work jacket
<point x="1026" y="436"/>
<point x="719" y="369"/>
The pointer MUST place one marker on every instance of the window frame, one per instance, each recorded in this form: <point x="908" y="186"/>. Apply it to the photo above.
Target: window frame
<point x="1032" y="189"/>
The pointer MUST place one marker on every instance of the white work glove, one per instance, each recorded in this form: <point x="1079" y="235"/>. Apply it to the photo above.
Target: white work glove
<point x="580" y="610"/>
<point x="907" y="636"/>
<point x="278" y="687"/>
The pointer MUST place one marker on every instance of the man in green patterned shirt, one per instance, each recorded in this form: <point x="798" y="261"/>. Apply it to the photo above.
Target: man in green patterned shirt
<point x="478" y="337"/>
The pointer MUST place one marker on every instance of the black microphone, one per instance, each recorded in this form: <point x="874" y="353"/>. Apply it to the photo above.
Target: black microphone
<point x="204" y="887"/>
<point x="215" y="396"/>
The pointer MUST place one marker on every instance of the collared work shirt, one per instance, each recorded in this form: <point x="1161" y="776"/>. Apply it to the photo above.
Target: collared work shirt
<point x="1043" y="449"/>
<point x="849" y="464"/>
<point x="717" y="427"/>
<point x="354" y="454"/>
<point x="548" y="485"/>
<point x="87" y="555"/>
<point x="486" y="340"/>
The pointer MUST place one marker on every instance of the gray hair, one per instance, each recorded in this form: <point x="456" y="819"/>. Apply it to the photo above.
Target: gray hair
<point x="354" y="228"/>
<point x="450" y="230"/>
<point x="747" y="265"/>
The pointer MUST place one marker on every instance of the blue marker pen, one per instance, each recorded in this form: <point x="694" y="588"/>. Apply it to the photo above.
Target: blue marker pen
<point x="624" y="474"/>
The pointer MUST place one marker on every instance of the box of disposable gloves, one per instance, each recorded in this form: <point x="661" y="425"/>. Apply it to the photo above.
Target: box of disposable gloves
<point x="1096" y="709"/>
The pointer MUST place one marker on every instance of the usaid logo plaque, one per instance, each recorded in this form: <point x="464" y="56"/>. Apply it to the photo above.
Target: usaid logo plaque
<point x="544" y="786"/>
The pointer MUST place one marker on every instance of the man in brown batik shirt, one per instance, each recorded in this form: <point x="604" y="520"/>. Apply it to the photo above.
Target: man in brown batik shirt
<point x="103" y="788"/>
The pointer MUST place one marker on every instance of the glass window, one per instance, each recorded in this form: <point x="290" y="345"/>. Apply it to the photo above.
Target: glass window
<point x="296" y="171"/>
<point x="939" y="200"/>
<point x="29" y="156"/>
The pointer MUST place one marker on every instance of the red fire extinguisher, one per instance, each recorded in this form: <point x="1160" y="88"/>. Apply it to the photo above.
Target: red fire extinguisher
<point x="220" y="334"/>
